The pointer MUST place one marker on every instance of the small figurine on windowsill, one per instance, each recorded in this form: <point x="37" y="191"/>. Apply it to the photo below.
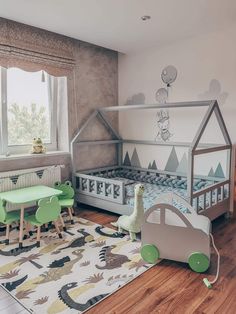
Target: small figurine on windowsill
<point x="37" y="146"/>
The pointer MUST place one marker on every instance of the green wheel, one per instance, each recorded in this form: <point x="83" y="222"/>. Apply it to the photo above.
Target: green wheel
<point x="150" y="253"/>
<point x="198" y="262"/>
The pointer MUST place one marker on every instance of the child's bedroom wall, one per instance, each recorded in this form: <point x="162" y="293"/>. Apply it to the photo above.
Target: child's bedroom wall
<point x="206" y="70"/>
<point x="92" y="83"/>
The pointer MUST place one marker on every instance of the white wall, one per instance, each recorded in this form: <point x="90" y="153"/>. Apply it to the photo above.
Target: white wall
<point x="198" y="60"/>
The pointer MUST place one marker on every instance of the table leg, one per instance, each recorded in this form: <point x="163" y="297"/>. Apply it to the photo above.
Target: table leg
<point x="62" y="223"/>
<point x="21" y="226"/>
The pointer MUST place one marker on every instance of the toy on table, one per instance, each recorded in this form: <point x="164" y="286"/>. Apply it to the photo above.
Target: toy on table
<point x="171" y="234"/>
<point x="132" y="223"/>
<point x="37" y="146"/>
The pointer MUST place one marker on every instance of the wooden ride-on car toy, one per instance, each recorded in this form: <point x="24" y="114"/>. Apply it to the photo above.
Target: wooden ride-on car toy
<point x="168" y="233"/>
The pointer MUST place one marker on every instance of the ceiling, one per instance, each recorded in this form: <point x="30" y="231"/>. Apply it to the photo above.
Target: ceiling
<point x="116" y="24"/>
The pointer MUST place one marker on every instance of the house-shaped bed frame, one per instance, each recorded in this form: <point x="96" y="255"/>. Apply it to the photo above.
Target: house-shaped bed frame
<point x="107" y="193"/>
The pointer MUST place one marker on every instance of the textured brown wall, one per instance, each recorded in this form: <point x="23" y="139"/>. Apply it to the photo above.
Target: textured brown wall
<point x="92" y="83"/>
<point x="95" y="86"/>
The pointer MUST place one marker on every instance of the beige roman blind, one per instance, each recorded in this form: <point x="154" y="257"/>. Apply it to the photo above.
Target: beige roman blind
<point x="34" y="49"/>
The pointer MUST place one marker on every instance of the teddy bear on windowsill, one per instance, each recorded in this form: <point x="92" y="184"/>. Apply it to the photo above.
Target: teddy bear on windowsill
<point x="37" y="146"/>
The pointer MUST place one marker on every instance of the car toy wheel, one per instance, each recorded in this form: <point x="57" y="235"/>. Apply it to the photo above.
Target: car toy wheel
<point x="198" y="262"/>
<point x="150" y="253"/>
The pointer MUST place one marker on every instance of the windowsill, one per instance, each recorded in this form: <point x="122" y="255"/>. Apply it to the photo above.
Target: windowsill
<point x="23" y="156"/>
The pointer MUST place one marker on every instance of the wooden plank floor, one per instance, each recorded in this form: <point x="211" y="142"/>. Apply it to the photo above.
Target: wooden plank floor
<point x="170" y="287"/>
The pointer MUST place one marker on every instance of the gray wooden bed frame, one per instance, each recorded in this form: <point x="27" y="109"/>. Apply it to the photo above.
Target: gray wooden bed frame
<point x="83" y="180"/>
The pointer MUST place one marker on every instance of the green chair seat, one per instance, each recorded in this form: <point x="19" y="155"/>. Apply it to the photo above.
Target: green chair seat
<point x="8" y="218"/>
<point x="66" y="203"/>
<point x="33" y="221"/>
<point x="11" y="217"/>
<point x="66" y="199"/>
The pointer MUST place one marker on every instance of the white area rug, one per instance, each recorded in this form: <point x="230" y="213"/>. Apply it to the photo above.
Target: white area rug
<point x="72" y="274"/>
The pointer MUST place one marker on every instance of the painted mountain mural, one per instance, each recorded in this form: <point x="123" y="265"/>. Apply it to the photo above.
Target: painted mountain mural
<point x="211" y="173"/>
<point x="152" y="165"/>
<point x="172" y="162"/>
<point x="172" y="165"/>
<point x="219" y="171"/>
<point x="135" y="159"/>
<point x="126" y="161"/>
<point x="183" y="165"/>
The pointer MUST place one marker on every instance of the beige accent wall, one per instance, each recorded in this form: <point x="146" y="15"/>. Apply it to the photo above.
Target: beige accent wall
<point x="92" y="83"/>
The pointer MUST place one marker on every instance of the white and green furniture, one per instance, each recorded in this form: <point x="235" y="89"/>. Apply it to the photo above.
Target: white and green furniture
<point x="171" y="234"/>
<point x="66" y="199"/>
<point x="8" y="218"/>
<point x="48" y="211"/>
<point x="25" y="196"/>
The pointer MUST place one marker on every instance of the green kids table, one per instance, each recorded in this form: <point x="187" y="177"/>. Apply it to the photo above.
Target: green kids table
<point x="25" y="196"/>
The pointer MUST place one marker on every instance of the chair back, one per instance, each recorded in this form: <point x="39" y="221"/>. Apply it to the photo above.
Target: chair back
<point x="66" y="188"/>
<point x="48" y="210"/>
<point x="3" y="212"/>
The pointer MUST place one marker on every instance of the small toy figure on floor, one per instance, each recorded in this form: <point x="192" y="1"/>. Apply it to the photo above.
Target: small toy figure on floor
<point x="37" y="146"/>
<point x="132" y="223"/>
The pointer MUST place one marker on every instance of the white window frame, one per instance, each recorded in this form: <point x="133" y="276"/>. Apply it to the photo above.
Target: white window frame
<point x="21" y="149"/>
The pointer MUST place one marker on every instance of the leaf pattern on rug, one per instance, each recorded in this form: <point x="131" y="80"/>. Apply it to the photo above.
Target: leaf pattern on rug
<point x="10" y="274"/>
<point x="85" y="263"/>
<point x="41" y="301"/>
<point x="138" y="264"/>
<point x="118" y="279"/>
<point x="24" y="294"/>
<point x="98" y="244"/>
<point x="94" y="278"/>
<point x="31" y="259"/>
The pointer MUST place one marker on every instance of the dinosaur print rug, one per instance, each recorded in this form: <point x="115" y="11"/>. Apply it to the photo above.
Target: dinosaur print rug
<point x="72" y="274"/>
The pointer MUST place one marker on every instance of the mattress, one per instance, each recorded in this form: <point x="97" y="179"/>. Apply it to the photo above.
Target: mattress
<point x="151" y="194"/>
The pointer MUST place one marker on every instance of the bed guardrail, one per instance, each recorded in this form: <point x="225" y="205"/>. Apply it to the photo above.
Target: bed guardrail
<point x="104" y="188"/>
<point x="211" y="196"/>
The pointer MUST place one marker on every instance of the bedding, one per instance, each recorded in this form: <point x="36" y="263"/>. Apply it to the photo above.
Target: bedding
<point x="155" y="185"/>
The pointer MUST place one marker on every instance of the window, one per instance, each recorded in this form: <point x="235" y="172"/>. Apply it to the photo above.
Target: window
<point x="28" y="110"/>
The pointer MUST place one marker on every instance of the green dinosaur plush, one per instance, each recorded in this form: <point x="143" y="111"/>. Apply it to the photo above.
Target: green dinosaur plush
<point x="132" y="223"/>
<point x="37" y="146"/>
<point x="66" y="188"/>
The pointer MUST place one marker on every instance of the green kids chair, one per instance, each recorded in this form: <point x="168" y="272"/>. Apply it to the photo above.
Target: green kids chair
<point x="66" y="199"/>
<point x="48" y="211"/>
<point x="8" y="218"/>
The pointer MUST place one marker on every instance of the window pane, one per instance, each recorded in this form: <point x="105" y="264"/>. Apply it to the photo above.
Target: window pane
<point x="28" y="107"/>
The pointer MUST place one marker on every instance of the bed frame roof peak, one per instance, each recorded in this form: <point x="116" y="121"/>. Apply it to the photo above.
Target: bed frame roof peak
<point x="212" y="105"/>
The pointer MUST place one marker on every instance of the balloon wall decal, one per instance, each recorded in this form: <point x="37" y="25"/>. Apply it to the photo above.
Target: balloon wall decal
<point x="169" y="75"/>
<point x="161" y="95"/>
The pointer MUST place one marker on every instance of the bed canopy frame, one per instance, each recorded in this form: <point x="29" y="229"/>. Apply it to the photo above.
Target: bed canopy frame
<point x="194" y="148"/>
